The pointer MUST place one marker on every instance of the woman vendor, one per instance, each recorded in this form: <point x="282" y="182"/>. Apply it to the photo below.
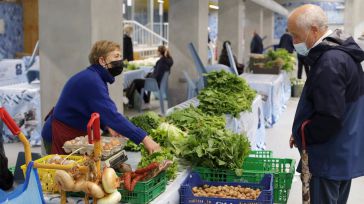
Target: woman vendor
<point x="85" y="93"/>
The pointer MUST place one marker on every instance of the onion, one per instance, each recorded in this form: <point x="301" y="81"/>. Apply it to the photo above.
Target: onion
<point x="79" y="185"/>
<point x="93" y="189"/>
<point x="64" y="180"/>
<point x="112" y="198"/>
<point x="110" y="180"/>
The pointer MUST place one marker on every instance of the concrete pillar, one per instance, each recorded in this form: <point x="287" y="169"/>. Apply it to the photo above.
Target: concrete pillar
<point x="68" y="29"/>
<point x="253" y="16"/>
<point x="231" y="26"/>
<point x="268" y="27"/>
<point x="188" y="21"/>
<point x="353" y="17"/>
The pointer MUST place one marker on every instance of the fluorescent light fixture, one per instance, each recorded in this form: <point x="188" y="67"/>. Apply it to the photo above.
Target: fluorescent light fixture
<point x="160" y="1"/>
<point x="213" y="7"/>
<point x="128" y="2"/>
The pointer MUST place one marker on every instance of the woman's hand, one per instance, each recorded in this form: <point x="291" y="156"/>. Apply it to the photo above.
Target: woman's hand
<point x="151" y="145"/>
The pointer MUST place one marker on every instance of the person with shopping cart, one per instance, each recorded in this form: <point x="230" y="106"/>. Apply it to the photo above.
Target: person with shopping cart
<point x="328" y="126"/>
<point x="85" y="93"/>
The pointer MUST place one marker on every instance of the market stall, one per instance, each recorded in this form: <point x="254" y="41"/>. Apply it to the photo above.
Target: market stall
<point x="23" y="102"/>
<point x="250" y="123"/>
<point x="275" y="93"/>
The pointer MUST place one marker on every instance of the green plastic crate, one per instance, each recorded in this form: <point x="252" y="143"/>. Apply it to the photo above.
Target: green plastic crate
<point x="282" y="169"/>
<point x="145" y="192"/>
<point x="253" y="171"/>
<point x="261" y="154"/>
<point x="147" y="185"/>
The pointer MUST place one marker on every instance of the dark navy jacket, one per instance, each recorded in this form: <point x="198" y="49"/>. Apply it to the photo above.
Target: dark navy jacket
<point x="256" y="45"/>
<point x="85" y="93"/>
<point x="286" y="42"/>
<point x="333" y="100"/>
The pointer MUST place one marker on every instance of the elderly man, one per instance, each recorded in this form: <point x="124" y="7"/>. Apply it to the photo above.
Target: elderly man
<point x="332" y="103"/>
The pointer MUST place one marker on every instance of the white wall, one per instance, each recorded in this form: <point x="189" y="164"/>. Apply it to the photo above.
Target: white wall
<point x="67" y="30"/>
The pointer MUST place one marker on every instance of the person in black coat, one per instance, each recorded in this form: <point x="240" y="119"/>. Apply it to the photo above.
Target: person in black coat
<point x="6" y="177"/>
<point x="256" y="45"/>
<point x="224" y="59"/>
<point x="286" y="42"/>
<point x="301" y="64"/>
<point x="162" y="66"/>
<point x="128" y="44"/>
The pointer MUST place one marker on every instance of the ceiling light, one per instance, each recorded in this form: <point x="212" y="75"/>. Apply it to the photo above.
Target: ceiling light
<point x="213" y="7"/>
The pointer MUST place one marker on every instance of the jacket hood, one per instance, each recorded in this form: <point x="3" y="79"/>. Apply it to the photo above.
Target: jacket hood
<point x="337" y="40"/>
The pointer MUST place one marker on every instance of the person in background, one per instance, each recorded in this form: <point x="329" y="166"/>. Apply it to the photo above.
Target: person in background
<point x="6" y="177"/>
<point x="302" y="64"/>
<point x="128" y="43"/>
<point x="162" y="66"/>
<point x="85" y="93"/>
<point x="286" y="42"/>
<point x="256" y="45"/>
<point x="224" y="59"/>
<point x="331" y="108"/>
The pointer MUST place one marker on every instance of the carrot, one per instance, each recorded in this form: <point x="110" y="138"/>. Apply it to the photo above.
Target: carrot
<point x="136" y="179"/>
<point x="127" y="181"/>
<point x="150" y="167"/>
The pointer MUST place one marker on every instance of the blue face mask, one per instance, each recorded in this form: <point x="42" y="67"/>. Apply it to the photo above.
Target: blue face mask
<point x="301" y="48"/>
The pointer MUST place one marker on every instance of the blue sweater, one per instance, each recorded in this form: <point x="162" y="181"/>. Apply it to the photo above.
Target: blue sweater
<point x="86" y="93"/>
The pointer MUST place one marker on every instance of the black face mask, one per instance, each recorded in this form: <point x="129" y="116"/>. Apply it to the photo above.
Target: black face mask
<point x="116" y="67"/>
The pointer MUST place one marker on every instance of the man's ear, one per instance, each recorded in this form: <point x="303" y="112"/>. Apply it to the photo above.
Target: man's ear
<point x="315" y="29"/>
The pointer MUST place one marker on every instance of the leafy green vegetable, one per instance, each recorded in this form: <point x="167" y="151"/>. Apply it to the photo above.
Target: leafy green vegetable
<point x="193" y="118"/>
<point x="225" y="93"/>
<point x="147" y="121"/>
<point x="169" y="136"/>
<point x="164" y="154"/>
<point x="287" y="59"/>
<point x="131" y="146"/>
<point x="213" y="148"/>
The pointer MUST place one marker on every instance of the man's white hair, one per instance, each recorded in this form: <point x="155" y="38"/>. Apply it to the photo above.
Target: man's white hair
<point x="312" y="16"/>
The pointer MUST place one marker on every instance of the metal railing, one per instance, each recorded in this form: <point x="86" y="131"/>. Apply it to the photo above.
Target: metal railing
<point x="145" y="37"/>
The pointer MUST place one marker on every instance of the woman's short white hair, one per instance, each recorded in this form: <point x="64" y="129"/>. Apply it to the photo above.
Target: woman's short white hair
<point x="312" y="16"/>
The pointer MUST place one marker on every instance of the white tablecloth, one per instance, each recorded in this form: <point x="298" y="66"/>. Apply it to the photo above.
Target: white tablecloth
<point x="12" y="71"/>
<point x="251" y="123"/>
<point x="22" y="101"/>
<point x="129" y="76"/>
<point x="274" y="90"/>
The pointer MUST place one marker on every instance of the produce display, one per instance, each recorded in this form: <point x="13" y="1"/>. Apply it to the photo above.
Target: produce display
<point x="132" y="178"/>
<point x="215" y="148"/>
<point x="235" y="192"/>
<point x="106" y="191"/>
<point x="225" y="93"/>
<point x="159" y="157"/>
<point x="147" y="121"/>
<point x="169" y="137"/>
<point x="280" y="57"/>
<point x="193" y="118"/>
<point x="110" y="145"/>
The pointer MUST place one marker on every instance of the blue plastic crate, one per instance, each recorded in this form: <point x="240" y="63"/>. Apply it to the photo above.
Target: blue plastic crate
<point x="194" y="179"/>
